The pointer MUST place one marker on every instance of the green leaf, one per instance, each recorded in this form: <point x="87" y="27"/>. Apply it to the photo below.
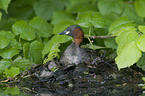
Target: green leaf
<point x="81" y="7"/>
<point x="143" y="78"/>
<point x="6" y="24"/>
<point x="127" y="36"/>
<point x="25" y="31"/>
<point x="12" y="72"/>
<point x="139" y="6"/>
<point x="4" y="64"/>
<point x="53" y="53"/>
<point x="87" y="19"/>
<point x="45" y="8"/>
<point x="8" y="52"/>
<point x="109" y="6"/>
<point x="23" y="8"/>
<point x="12" y="90"/>
<point x="111" y="17"/>
<point x="54" y="42"/>
<point x="7" y="34"/>
<point x="3" y="42"/>
<point x="11" y="50"/>
<point x="61" y="16"/>
<point x="33" y="52"/>
<point x="141" y="61"/>
<point x="119" y="24"/>
<point x="129" y="55"/>
<point x="22" y="63"/>
<point x="62" y="25"/>
<point x="141" y="28"/>
<point x="6" y="37"/>
<point x="4" y="4"/>
<point x="130" y="12"/>
<point x="110" y="43"/>
<point x="140" y="42"/>
<point x="43" y="28"/>
<point x="73" y="2"/>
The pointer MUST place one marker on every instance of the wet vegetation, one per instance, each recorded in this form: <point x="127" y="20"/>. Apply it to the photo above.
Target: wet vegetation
<point x="30" y="47"/>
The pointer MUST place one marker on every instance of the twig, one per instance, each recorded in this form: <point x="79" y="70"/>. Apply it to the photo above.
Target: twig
<point x="89" y="36"/>
<point x="93" y="37"/>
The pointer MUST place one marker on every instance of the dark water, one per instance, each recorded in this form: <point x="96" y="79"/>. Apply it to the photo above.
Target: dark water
<point x="42" y="89"/>
<point x="74" y="82"/>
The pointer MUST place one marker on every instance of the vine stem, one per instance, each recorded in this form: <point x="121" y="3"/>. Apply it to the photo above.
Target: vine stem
<point x="93" y="37"/>
<point x="89" y="36"/>
<point x="19" y="39"/>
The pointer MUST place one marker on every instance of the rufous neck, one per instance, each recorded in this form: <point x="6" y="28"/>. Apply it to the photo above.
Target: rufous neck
<point x="78" y="36"/>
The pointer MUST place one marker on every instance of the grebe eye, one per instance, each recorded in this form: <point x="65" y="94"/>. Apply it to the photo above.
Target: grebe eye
<point x="67" y="32"/>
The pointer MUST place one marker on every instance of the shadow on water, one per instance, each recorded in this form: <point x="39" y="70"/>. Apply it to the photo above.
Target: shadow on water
<point x="43" y="89"/>
<point x="80" y="80"/>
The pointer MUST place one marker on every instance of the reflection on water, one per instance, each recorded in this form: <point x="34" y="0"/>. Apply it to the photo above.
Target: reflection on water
<point x="74" y="81"/>
<point x="43" y="89"/>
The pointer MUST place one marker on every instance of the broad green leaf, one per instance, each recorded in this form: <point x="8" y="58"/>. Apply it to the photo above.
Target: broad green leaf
<point x="127" y="36"/>
<point x="26" y="32"/>
<point x="110" y="17"/>
<point x="7" y="34"/>
<point x="109" y="6"/>
<point x="21" y="9"/>
<point x="11" y="50"/>
<point x="73" y="2"/>
<point x="110" y="43"/>
<point x="141" y="28"/>
<point x="55" y="40"/>
<point x="90" y="18"/>
<point x="81" y="7"/>
<point x="3" y="42"/>
<point x="6" y="24"/>
<point x="61" y="16"/>
<point x="43" y="28"/>
<point x="62" y="25"/>
<point x="129" y="55"/>
<point x="4" y="4"/>
<point x="6" y="37"/>
<point x="12" y="90"/>
<point x="34" y="53"/>
<point x="141" y="61"/>
<point x="130" y="12"/>
<point x="22" y="63"/>
<point x="8" y="52"/>
<point x="119" y="24"/>
<point x="139" y="6"/>
<point x="4" y="64"/>
<point x="45" y="8"/>
<point x="15" y="44"/>
<point x="141" y="42"/>
<point x="12" y="72"/>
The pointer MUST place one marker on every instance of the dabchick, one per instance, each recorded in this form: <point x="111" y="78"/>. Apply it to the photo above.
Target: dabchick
<point x="74" y="55"/>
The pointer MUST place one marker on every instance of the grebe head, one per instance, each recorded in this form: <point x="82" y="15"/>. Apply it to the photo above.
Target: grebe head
<point x="76" y="32"/>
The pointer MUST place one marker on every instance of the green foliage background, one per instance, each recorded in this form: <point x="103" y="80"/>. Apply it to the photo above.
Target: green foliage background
<point x="29" y="30"/>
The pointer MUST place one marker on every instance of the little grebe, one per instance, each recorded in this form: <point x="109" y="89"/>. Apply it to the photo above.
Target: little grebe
<point x="73" y="53"/>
